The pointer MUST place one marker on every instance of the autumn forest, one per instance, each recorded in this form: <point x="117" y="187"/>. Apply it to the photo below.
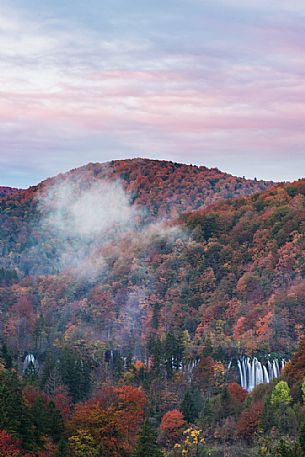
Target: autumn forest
<point x="149" y="309"/>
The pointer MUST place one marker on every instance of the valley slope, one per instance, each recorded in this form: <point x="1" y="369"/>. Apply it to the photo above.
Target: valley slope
<point x="224" y="273"/>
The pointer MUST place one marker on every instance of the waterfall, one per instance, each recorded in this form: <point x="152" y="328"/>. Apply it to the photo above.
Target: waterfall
<point x="248" y="378"/>
<point x="266" y="375"/>
<point x="30" y="361"/>
<point x="244" y="368"/>
<point x="270" y="370"/>
<point x="253" y="372"/>
<point x="241" y="374"/>
<point x="259" y="373"/>
<point x="274" y="369"/>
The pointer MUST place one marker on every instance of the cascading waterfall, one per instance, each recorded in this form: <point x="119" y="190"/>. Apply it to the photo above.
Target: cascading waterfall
<point x="266" y="374"/>
<point x="241" y="373"/>
<point x="190" y="366"/>
<point x="253" y="372"/>
<point x="30" y="361"/>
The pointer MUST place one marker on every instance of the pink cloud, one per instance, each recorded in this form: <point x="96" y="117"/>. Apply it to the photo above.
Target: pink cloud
<point x="209" y="96"/>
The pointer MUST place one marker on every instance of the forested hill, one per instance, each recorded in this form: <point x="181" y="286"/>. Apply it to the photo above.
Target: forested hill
<point x="159" y="190"/>
<point x="164" y="188"/>
<point x="106" y="307"/>
<point x="248" y="284"/>
<point x="6" y="191"/>
<point x="231" y="276"/>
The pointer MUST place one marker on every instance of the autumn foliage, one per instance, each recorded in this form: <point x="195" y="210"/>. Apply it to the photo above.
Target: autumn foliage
<point x="211" y="270"/>
<point x="111" y="419"/>
<point x="8" y="446"/>
<point x="228" y="268"/>
<point x="172" y="425"/>
<point x="237" y="392"/>
<point x="249" y="421"/>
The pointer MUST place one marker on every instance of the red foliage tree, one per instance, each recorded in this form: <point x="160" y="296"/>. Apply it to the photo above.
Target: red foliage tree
<point x="239" y="328"/>
<point x="8" y="446"/>
<point x="294" y="371"/>
<point x="171" y="426"/>
<point x="62" y="401"/>
<point x="249" y="420"/>
<point x="131" y="402"/>
<point x="237" y="392"/>
<point x="112" y="418"/>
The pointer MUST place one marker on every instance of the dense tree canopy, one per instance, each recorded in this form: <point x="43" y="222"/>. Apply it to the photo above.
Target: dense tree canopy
<point x="137" y="333"/>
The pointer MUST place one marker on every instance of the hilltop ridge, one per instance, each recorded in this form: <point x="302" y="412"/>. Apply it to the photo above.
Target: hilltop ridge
<point x="164" y="188"/>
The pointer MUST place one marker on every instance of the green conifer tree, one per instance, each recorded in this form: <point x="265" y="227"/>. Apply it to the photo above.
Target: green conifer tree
<point x="147" y="443"/>
<point x="5" y="355"/>
<point x="15" y="418"/>
<point x="191" y="405"/>
<point x="11" y="408"/>
<point x="302" y="437"/>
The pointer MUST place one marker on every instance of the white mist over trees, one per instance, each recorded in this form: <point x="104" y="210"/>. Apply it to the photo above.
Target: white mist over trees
<point x="83" y="218"/>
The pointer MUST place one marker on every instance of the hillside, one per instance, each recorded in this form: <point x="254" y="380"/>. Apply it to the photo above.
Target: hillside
<point x="231" y="275"/>
<point x="254" y="251"/>
<point x="6" y="191"/>
<point x="159" y="189"/>
<point x="109" y="313"/>
<point x="163" y="188"/>
<point x="166" y="189"/>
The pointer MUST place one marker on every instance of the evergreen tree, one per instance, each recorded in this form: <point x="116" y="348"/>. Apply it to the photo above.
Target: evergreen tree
<point x="75" y="373"/>
<point x="5" y="355"/>
<point x="50" y="365"/>
<point x="69" y="368"/>
<point x="47" y="420"/>
<point x="155" y="350"/>
<point x="40" y="420"/>
<point x="14" y="416"/>
<point x="62" y="450"/>
<point x="191" y="405"/>
<point x="118" y="365"/>
<point x="55" y="424"/>
<point x="31" y="375"/>
<point x="53" y="382"/>
<point x="147" y="443"/>
<point x="173" y="351"/>
<point x="225" y="402"/>
<point x="302" y="437"/>
<point x="11" y="408"/>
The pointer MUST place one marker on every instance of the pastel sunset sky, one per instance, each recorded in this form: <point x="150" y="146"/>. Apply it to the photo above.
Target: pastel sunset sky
<point x="210" y="82"/>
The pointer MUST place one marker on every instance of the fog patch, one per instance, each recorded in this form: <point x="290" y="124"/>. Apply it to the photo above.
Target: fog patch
<point x="80" y="218"/>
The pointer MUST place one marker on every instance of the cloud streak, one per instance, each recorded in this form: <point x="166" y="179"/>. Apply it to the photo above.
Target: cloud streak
<point x="186" y="84"/>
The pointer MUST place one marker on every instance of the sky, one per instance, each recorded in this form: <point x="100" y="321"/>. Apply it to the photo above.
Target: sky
<point x="219" y="83"/>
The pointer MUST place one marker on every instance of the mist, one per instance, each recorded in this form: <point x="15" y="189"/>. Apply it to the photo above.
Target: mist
<point x="81" y="218"/>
